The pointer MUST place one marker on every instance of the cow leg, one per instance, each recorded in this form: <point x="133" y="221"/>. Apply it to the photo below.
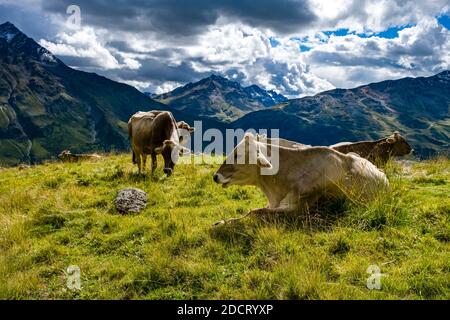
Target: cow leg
<point x="261" y="211"/>
<point x="308" y="202"/>
<point x="154" y="162"/>
<point x="138" y="162"/>
<point x="264" y="211"/>
<point x="144" y="162"/>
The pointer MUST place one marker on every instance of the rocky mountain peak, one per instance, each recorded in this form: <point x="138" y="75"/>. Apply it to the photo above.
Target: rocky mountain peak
<point x="26" y="46"/>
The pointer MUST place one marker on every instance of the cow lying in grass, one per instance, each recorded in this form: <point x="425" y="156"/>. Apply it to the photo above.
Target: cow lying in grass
<point x="67" y="156"/>
<point x="378" y="152"/>
<point x="303" y="175"/>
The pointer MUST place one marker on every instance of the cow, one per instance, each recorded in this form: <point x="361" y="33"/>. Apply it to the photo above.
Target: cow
<point x="303" y="175"/>
<point x="68" y="156"/>
<point x="152" y="133"/>
<point x="282" y="142"/>
<point x="184" y="129"/>
<point x="378" y="152"/>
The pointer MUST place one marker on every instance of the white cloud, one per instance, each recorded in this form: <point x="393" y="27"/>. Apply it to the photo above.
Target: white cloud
<point x="245" y="53"/>
<point x="156" y="62"/>
<point x="351" y="60"/>
<point x="85" y="43"/>
<point x="373" y="15"/>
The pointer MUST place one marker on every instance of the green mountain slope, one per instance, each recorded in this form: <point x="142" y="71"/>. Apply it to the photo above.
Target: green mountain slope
<point x="417" y="107"/>
<point x="220" y="99"/>
<point x="46" y="107"/>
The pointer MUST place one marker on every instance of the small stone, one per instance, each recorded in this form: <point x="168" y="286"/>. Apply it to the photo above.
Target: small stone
<point x="131" y="200"/>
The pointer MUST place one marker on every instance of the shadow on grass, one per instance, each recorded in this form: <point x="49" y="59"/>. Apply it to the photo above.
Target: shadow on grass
<point x="321" y="217"/>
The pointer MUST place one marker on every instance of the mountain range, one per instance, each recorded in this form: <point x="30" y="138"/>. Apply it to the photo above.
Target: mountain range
<point x="219" y="98"/>
<point x="46" y="107"/>
<point x="417" y="107"/>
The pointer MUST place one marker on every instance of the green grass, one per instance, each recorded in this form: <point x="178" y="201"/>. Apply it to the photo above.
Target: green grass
<point x="55" y="215"/>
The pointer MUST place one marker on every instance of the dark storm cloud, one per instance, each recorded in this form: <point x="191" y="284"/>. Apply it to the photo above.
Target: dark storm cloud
<point x="189" y="17"/>
<point x="156" y="70"/>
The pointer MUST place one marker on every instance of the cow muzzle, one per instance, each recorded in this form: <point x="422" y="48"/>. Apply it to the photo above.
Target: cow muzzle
<point x="219" y="178"/>
<point x="168" y="171"/>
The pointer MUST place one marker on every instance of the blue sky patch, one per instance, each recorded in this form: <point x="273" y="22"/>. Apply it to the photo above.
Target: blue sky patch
<point x="337" y="33"/>
<point x="274" y="42"/>
<point x="304" y="48"/>
<point x="444" y="20"/>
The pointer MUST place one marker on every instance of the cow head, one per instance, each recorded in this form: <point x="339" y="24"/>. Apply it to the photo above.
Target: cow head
<point x="399" y="146"/>
<point x="184" y="131"/>
<point x="64" y="155"/>
<point x="242" y="166"/>
<point x="171" y="152"/>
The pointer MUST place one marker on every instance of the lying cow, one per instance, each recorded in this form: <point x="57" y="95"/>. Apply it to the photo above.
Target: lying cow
<point x="303" y="175"/>
<point x="152" y="133"/>
<point x="282" y="142"/>
<point x="379" y="151"/>
<point x="67" y="156"/>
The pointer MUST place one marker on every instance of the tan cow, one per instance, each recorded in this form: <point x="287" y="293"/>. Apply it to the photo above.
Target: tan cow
<point x="67" y="156"/>
<point x="282" y="142"/>
<point x="378" y="151"/>
<point x="303" y="175"/>
<point x="153" y="133"/>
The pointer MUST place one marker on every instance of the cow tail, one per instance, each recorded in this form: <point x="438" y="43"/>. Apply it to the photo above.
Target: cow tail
<point x="130" y="129"/>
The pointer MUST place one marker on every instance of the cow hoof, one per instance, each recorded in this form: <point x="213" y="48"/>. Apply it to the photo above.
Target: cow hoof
<point x="219" y="223"/>
<point x="225" y="221"/>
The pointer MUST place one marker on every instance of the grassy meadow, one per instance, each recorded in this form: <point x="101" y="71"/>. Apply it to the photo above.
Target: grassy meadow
<point x="57" y="214"/>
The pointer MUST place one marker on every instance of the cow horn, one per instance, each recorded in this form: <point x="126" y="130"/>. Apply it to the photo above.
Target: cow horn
<point x="263" y="162"/>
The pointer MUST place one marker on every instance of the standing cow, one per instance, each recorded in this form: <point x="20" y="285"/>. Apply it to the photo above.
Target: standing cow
<point x="152" y="133"/>
<point x="379" y="151"/>
<point x="303" y="174"/>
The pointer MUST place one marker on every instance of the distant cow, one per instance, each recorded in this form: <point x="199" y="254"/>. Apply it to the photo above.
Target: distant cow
<point x="152" y="133"/>
<point x="67" y="156"/>
<point x="378" y="151"/>
<point x="303" y="175"/>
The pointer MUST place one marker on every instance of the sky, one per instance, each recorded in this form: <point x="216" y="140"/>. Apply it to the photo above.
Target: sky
<point x="296" y="47"/>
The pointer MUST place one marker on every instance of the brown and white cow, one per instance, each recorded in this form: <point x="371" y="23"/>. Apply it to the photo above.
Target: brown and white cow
<point x="303" y="175"/>
<point x="67" y="156"/>
<point x="152" y="133"/>
<point x="379" y="151"/>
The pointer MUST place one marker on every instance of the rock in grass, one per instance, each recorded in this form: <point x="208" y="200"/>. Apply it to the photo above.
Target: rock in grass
<point x="131" y="200"/>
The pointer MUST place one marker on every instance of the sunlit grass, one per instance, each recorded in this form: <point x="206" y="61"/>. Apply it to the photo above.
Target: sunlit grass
<point x="55" y="215"/>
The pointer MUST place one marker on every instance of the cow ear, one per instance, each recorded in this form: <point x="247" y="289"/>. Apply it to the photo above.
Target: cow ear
<point x="249" y="136"/>
<point x="261" y="137"/>
<point x="158" y="150"/>
<point x="263" y="162"/>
